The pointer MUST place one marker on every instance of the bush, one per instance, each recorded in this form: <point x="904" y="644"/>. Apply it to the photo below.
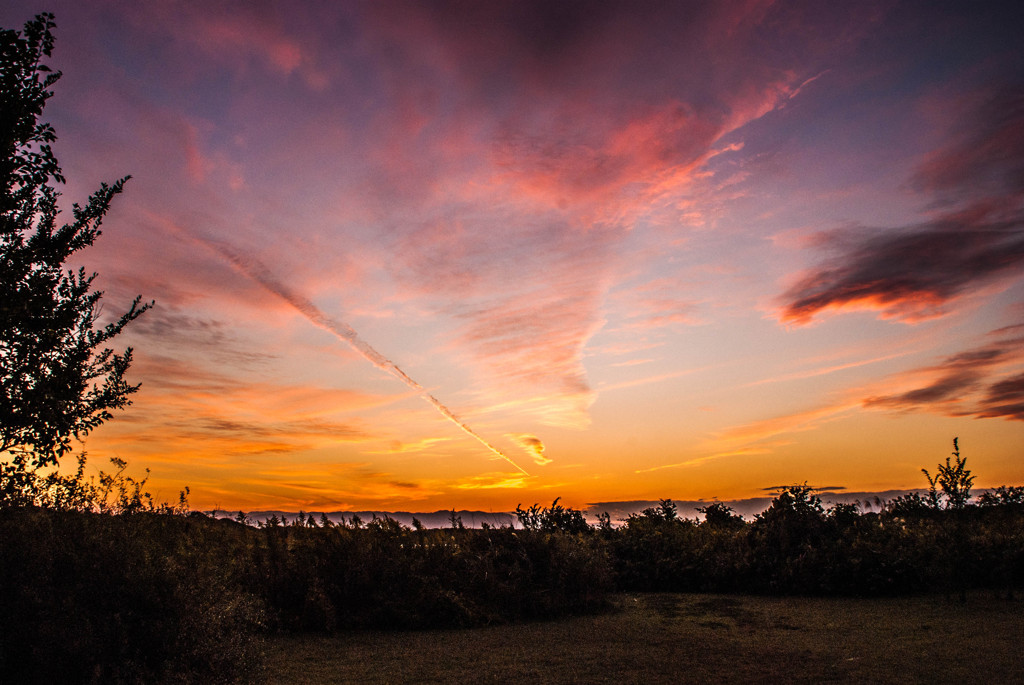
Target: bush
<point x="384" y="575"/>
<point x="122" y="599"/>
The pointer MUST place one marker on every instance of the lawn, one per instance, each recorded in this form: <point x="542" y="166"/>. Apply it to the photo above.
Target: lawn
<point x="682" y="638"/>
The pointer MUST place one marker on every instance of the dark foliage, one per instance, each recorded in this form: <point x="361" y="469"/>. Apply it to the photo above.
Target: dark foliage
<point x="140" y="598"/>
<point x="1003" y="495"/>
<point x="937" y="543"/>
<point x="954" y="479"/>
<point x="555" y="518"/>
<point x="143" y="596"/>
<point x="797" y="546"/>
<point x="385" y="575"/>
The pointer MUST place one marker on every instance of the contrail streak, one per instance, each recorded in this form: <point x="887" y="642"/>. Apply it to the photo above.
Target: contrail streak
<point x="256" y="271"/>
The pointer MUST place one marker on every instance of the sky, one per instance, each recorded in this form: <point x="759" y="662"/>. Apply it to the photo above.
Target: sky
<point x="426" y="255"/>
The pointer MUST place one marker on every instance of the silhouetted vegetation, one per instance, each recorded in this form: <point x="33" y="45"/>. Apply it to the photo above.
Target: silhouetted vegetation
<point x="937" y="543"/>
<point x="134" y="598"/>
<point x="106" y="585"/>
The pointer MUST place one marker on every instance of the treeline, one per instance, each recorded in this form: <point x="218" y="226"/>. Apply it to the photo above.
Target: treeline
<point x="119" y="589"/>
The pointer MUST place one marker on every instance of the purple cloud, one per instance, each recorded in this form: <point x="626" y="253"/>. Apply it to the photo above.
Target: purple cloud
<point x="910" y="274"/>
<point x="913" y="272"/>
<point x="1005" y="398"/>
<point x="957" y="380"/>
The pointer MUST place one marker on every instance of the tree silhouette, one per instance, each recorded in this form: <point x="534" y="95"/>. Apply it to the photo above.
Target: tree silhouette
<point x="720" y="515"/>
<point x="59" y="379"/>
<point x="954" y="479"/>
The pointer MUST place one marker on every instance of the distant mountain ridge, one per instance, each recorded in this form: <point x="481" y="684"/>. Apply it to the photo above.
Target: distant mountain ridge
<point x="747" y="508"/>
<point x="434" y="519"/>
<point x="619" y="510"/>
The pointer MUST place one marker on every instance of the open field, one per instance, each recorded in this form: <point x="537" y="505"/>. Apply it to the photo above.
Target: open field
<point x="677" y="638"/>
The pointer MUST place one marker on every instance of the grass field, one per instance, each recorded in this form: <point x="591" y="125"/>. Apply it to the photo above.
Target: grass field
<point x="674" y="638"/>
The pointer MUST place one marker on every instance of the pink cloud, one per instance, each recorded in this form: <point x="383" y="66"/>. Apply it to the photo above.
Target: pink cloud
<point x="590" y="102"/>
<point x="531" y="345"/>
<point x="656" y="304"/>
<point x="739" y="438"/>
<point x="609" y="169"/>
<point x="238" y="36"/>
<point x="534" y="179"/>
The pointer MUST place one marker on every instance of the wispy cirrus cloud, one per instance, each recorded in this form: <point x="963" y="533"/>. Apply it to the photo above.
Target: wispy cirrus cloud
<point x="243" y="37"/>
<point x="985" y="155"/>
<point x="827" y="369"/>
<point x="1003" y="399"/>
<point x="207" y="409"/>
<point x="206" y="416"/>
<point x="589" y="132"/>
<point x="492" y="481"/>
<point x="655" y="308"/>
<point x="984" y="382"/>
<point x="533" y="343"/>
<point x="740" y="439"/>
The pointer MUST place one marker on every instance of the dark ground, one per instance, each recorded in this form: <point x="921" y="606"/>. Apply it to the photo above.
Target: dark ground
<point x="683" y="638"/>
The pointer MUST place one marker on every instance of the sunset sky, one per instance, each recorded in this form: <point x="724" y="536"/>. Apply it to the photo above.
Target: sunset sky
<point x="641" y="250"/>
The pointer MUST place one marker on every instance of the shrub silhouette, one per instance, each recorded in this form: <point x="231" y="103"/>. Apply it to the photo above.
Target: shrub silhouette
<point x="553" y="518"/>
<point x="139" y="598"/>
<point x="954" y="479"/>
